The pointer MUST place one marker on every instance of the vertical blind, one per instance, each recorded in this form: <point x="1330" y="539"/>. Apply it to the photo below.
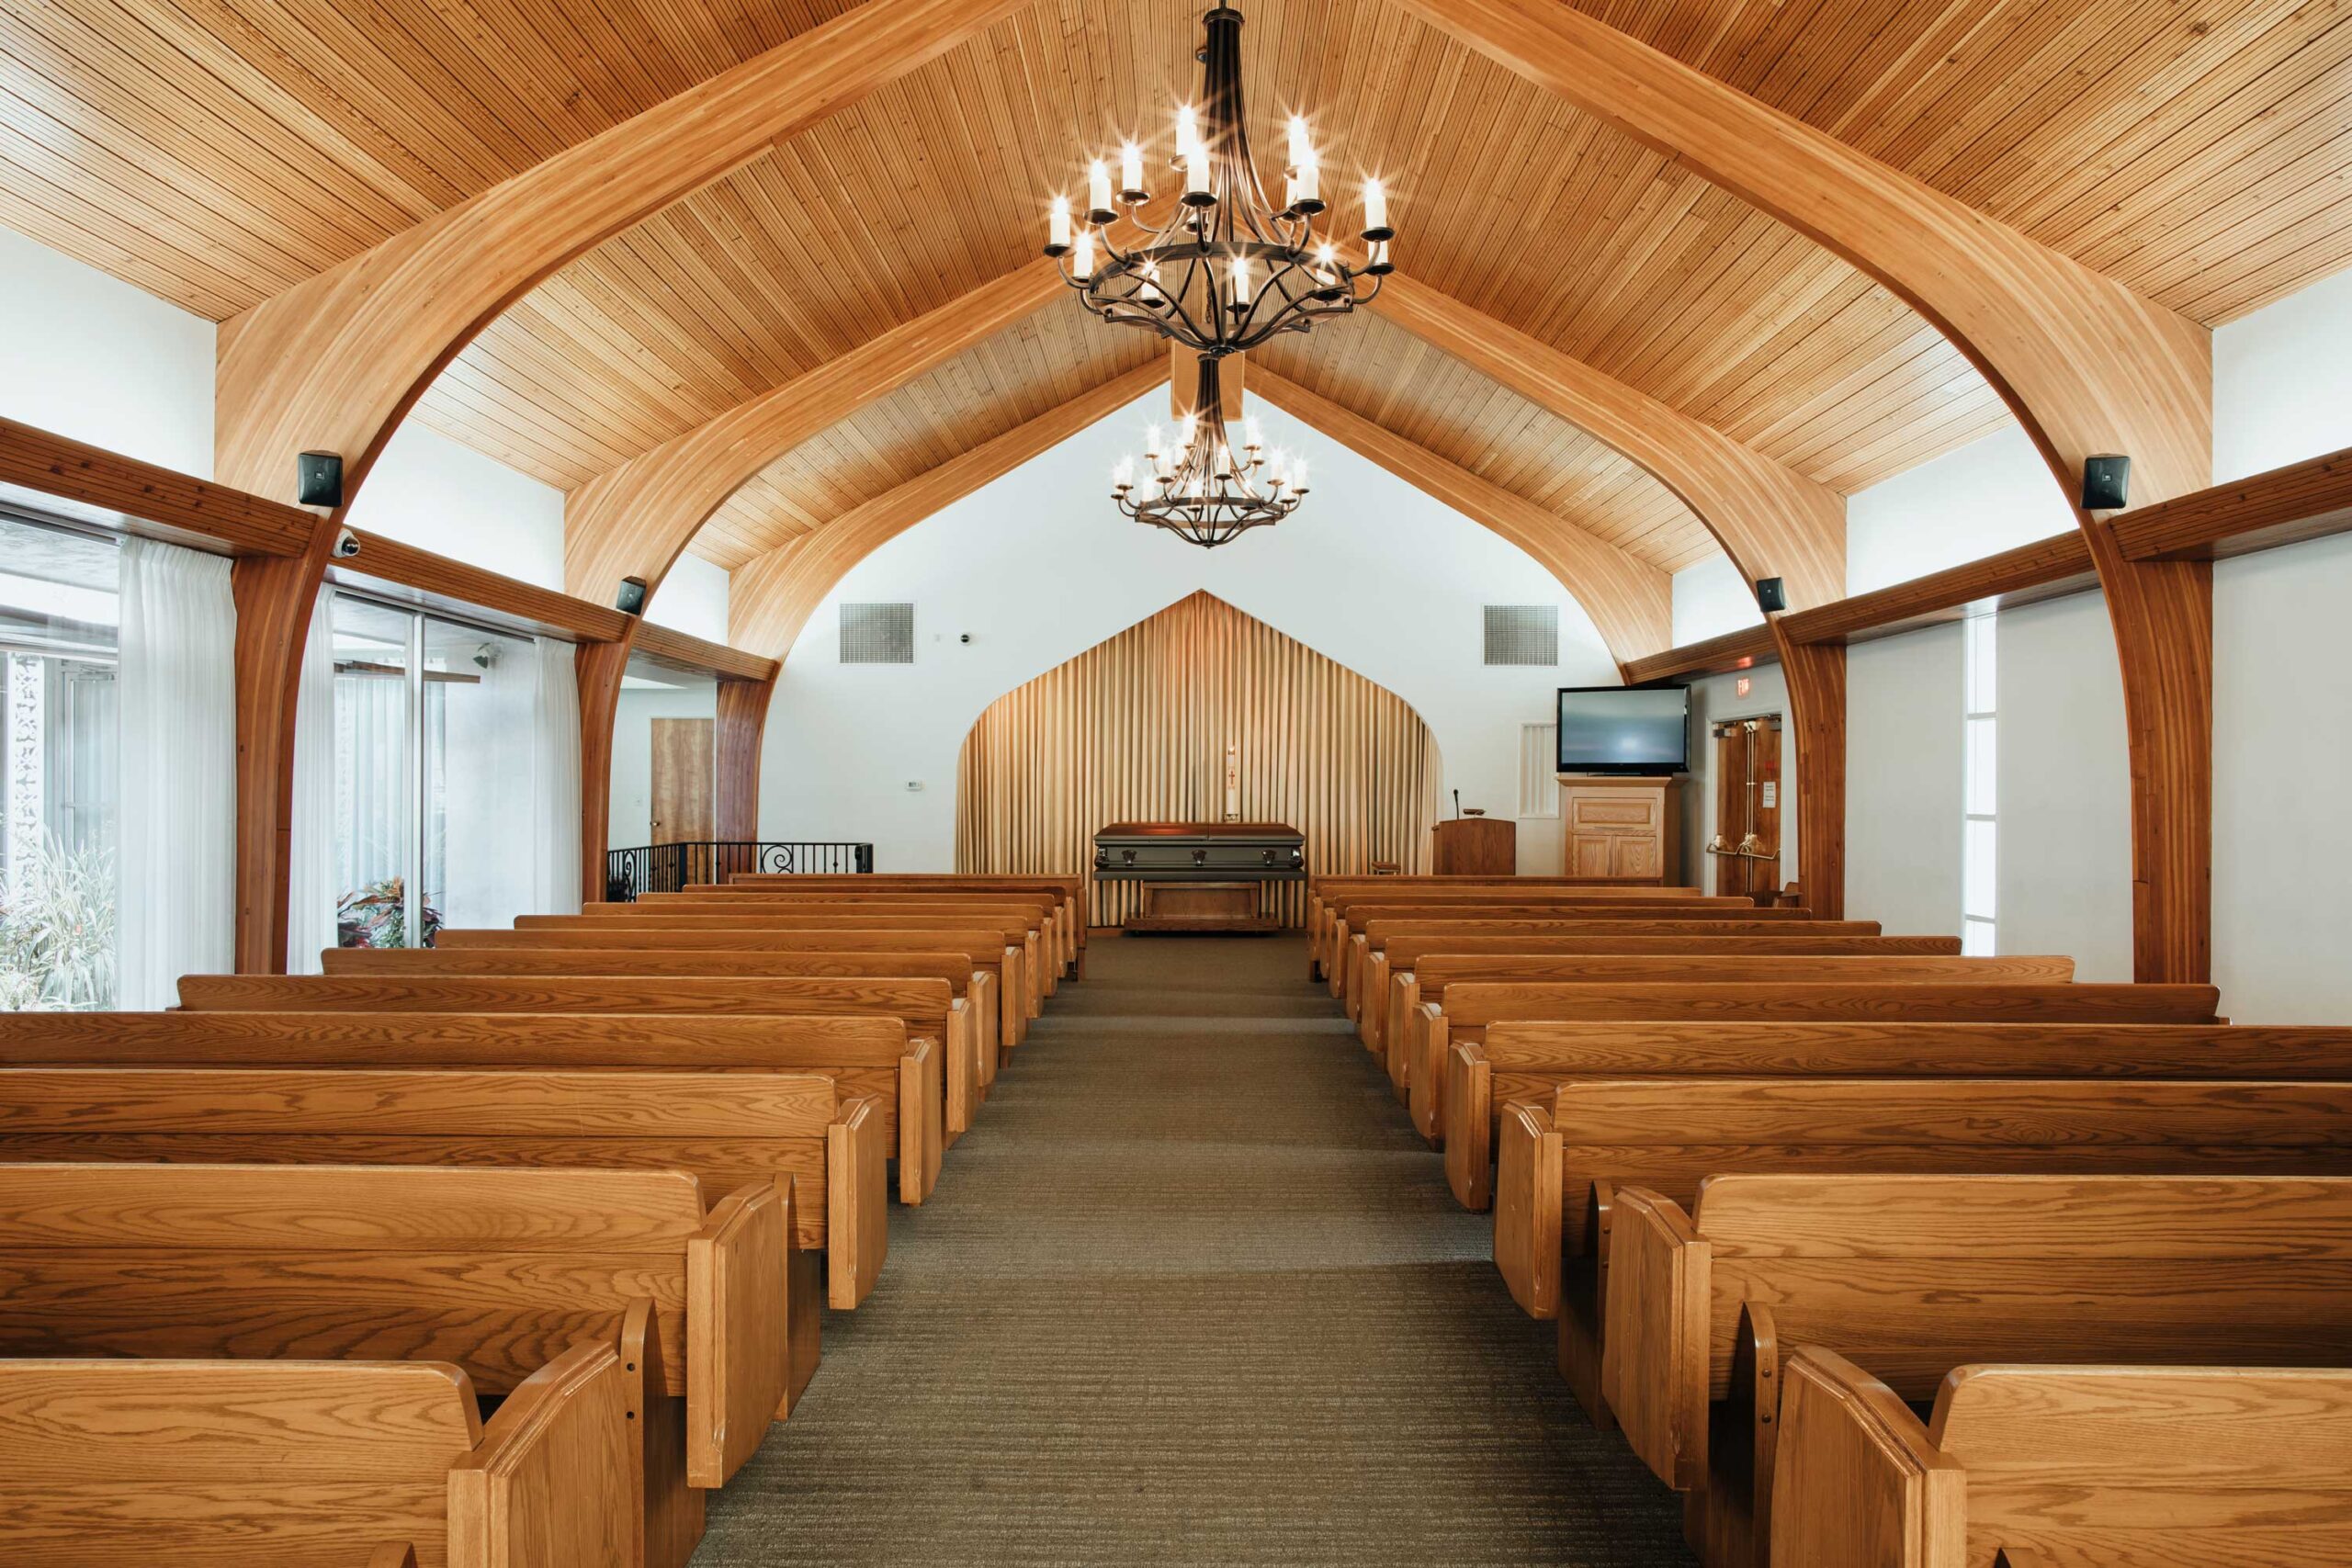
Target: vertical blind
<point x="1141" y="728"/>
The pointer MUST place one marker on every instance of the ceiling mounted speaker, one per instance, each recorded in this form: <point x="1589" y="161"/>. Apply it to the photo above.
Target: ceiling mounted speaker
<point x="1770" y="595"/>
<point x="2107" y="483"/>
<point x="318" y="478"/>
<point x="631" y="599"/>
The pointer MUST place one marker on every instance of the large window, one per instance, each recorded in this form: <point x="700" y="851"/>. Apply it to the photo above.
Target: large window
<point x="432" y="765"/>
<point x="59" y="729"/>
<point x="1978" y="863"/>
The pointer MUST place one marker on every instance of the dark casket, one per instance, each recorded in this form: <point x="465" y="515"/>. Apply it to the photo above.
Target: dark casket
<point x="1200" y="877"/>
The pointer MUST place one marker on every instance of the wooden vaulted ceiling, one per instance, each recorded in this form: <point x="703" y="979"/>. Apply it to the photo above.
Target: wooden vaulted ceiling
<point x="215" y="151"/>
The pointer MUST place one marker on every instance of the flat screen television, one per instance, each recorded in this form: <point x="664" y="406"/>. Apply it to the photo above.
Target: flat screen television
<point x="1624" y="729"/>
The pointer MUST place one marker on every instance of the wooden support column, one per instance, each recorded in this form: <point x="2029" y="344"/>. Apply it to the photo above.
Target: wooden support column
<point x="275" y="596"/>
<point x="599" y="667"/>
<point x="1816" y="673"/>
<point x="743" y="721"/>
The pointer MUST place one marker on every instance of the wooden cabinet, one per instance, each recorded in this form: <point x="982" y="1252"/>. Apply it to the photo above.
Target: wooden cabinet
<point x="1621" y="829"/>
<point x="1475" y="846"/>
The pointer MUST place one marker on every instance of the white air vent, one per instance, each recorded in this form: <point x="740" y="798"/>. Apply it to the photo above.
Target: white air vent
<point x="1523" y="634"/>
<point x="878" y="634"/>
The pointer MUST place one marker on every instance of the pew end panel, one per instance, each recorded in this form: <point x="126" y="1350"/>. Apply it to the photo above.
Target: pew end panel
<point x="1859" y="1484"/>
<point x="393" y="1554"/>
<point x="1397" y="1035"/>
<point x="961" y="1043"/>
<point x="1373" y="1027"/>
<point x="1653" y="1362"/>
<point x="1528" y="1184"/>
<point x="738" y="1324"/>
<point x="857" y="1198"/>
<point x="1425" y="1064"/>
<point x="548" y="1487"/>
<point x="1469" y="1126"/>
<point x="1584" y="1284"/>
<point x="668" y="1510"/>
<point x="1729" y="1519"/>
<point x="921" y="1121"/>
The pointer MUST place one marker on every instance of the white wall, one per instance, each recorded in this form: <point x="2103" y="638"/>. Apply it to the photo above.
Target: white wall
<point x="93" y="359"/>
<point x="1712" y="700"/>
<point x="1979" y="500"/>
<point x="2282" y="751"/>
<point x="1039" y="567"/>
<point x="438" y="495"/>
<point x="1905" y="698"/>
<point x="692" y="599"/>
<point x="1709" y="598"/>
<point x="2282" y="382"/>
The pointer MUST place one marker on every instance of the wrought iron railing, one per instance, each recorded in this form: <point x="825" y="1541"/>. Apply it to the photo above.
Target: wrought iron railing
<point x="667" y="868"/>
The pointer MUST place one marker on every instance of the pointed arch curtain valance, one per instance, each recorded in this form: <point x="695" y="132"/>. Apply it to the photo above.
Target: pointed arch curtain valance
<point x="1142" y="727"/>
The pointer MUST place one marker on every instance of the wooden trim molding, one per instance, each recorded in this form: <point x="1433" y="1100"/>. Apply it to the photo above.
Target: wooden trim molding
<point x="557" y="615"/>
<point x="636" y="519"/>
<point x="334" y="363"/>
<point x="1771" y="520"/>
<point x="2046" y="568"/>
<point x="680" y="647"/>
<point x="131" y="492"/>
<point x="743" y="717"/>
<point x="1630" y="601"/>
<point x="2285" y="506"/>
<point x="771" y="598"/>
<point x="1742" y="650"/>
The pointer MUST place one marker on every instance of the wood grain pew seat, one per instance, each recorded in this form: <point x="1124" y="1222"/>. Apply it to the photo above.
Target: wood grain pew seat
<point x="1027" y="925"/>
<point x="727" y="1129"/>
<point x="926" y="1008"/>
<point x="1322" y="890"/>
<point x="1343" y="920"/>
<point x="1423" y="992"/>
<point x="918" y="1138"/>
<point x="1018" y="943"/>
<point x="1911" y="1276"/>
<point x="1669" y="1135"/>
<point x="986" y="950"/>
<point x="296" y="1464"/>
<point x="1526" y="1063"/>
<point x="1393" y="947"/>
<point x="1050" y="912"/>
<point x="2064" y="1467"/>
<point x="713" y="1311"/>
<point x="1071" y="890"/>
<point x="868" y="1056"/>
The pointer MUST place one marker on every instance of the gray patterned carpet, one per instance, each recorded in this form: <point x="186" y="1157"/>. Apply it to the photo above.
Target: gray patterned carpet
<point x="1190" y="1292"/>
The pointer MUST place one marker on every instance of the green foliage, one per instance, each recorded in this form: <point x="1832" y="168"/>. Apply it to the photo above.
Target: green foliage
<point x="57" y="932"/>
<point x="375" y="916"/>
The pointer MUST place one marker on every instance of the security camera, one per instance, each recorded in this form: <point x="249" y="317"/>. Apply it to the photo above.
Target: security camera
<point x="346" y="545"/>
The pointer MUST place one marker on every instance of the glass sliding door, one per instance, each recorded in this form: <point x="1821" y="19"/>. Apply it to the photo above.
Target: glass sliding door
<point x="375" y="777"/>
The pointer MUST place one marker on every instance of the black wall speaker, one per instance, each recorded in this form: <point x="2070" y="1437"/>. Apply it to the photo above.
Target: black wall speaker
<point x="632" y="596"/>
<point x="318" y="478"/>
<point x="1770" y="595"/>
<point x="2106" y="484"/>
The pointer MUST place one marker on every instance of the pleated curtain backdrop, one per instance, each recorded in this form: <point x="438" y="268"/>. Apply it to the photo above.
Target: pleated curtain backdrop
<point x="176" y="879"/>
<point x="310" y="857"/>
<point x="554" y="807"/>
<point x="1137" y="729"/>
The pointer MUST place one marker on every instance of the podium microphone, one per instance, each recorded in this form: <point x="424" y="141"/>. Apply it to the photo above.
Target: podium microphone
<point x="1457" y="803"/>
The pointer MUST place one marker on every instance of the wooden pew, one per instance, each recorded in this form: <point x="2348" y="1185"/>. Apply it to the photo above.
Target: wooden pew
<point x="1420" y="1008"/>
<point x="1526" y="1063"/>
<point x="293" y="1464"/>
<point x="1037" y="914"/>
<point x="1019" y="942"/>
<point x="868" y="1056"/>
<point x="1387" y="949"/>
<point x="926" y="1008"/>
<point x="917" y="1136"/>
<point x="1344" y="919"/>
<point x="1071" y="890"/>
<point x="2043" y="1466"/>
<point x="1322" y="890"/>
<point x="712" y="1312"/>
<point x="992" y="960"/>
<point x="1058" y="916"/>
<point x="1669" y="1135"/>
<point x="1911" y="1276"/>
<point x="727" y="1129"/>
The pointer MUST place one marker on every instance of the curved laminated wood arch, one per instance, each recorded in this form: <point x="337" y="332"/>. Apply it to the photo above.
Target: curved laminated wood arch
<point x="2086" y="365"/>
<point x="335" y="363"/>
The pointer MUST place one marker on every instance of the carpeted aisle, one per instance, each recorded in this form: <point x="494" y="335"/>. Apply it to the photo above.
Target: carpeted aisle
<point x="1190" y="1292"/>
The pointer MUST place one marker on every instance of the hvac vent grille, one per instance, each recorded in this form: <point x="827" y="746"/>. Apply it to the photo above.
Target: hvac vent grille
<point x="878" y="634"/>
<point x="1523" y="634"/>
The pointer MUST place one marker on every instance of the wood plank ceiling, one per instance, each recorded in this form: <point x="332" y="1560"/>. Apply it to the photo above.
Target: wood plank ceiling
<point x="216" y="151"/>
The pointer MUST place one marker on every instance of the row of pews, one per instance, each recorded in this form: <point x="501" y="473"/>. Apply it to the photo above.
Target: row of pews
<point x="500" y="1253"/>
<point x="1886" y="1257"/>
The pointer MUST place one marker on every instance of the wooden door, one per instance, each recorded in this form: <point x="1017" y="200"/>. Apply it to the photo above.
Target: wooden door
<point x="1746" y="845"/>
<point x="684" y="808"/>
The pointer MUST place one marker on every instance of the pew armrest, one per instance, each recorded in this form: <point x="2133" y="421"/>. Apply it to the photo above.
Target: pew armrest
<point x="857" y="1217"/>
<point x="549" y="1486"/>
<point x="1372" y="1019"/>
<point x="1351" y="977"/>
<point x="1397" y="1035"/>
<point x="1424" y="1094"/>
<point x="963" y="1047"/>
<point x="1013" y="1016"/>
<point x="738" y="1322"/>
<point x="1469" y="1126"/>
<point x="1335" y="953"/>
<point x="921" y="1109"/>
<point x="1527" y="1208"/>
<point x="1654" y="1356"/>
<point x="988" y="1014"/>
<point x="1855" y="1481"/>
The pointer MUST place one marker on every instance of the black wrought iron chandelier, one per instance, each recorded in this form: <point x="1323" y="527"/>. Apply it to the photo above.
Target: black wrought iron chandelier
<point x="1228" y="270"/>
<point x="1200" y="488"/>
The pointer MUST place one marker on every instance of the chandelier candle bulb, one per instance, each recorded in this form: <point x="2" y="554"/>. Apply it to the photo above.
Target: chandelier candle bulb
<point x="1098" y="193"/>
<point x="1058" y="227"/>
<point x="1131" y="174"/>
<point x="1082" y="264"/>
<point x="1253" y="434"/>
<point x="1376" y="212"/>
<point x="1241" y="283"/>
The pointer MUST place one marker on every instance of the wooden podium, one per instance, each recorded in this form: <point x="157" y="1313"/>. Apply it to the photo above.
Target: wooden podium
<point x="1621" y="829"/>
<point x="1475" y="846"/>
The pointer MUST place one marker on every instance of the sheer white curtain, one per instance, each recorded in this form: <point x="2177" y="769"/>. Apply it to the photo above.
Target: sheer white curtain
<point x="555" y="808"/>
<point x="310" y="906"/>
<point x="178" y="691"/>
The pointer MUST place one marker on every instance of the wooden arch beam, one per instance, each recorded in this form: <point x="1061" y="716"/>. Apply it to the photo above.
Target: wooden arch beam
<point x="637" y="519"/>
<point x="2086" y="365"/>
<point x="1630" y="602"/>
<point x="772" y="597"/>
